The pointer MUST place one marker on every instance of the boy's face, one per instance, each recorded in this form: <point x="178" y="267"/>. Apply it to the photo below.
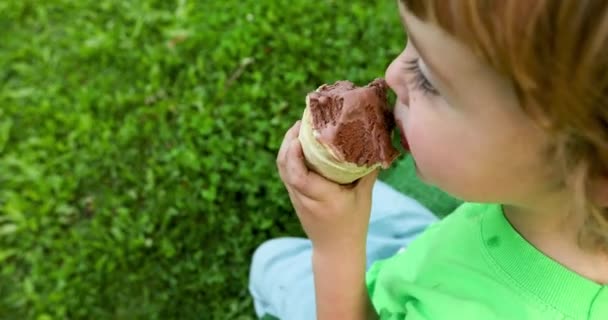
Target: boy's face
<point x="465" y="126"/>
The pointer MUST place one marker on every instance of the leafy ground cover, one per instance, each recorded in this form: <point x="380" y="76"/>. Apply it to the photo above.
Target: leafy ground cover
<point x="137" y="145"/>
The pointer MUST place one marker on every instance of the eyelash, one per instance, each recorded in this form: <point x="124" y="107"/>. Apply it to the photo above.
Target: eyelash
<point x="419" y="80"/>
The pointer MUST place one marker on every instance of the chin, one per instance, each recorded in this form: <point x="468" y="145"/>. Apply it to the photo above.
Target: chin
<point x="424" y="177"/>
<point x="447" y="184"/>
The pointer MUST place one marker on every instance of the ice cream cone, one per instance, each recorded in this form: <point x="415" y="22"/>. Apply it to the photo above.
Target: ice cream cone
<point x="346" y="130"/>
<point x="323" y="160"/>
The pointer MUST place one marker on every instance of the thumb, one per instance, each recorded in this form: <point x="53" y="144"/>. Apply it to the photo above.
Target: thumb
<point x="367" y="182"/>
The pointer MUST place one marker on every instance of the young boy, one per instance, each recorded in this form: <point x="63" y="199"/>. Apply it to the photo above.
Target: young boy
<point x="504" y="104"/>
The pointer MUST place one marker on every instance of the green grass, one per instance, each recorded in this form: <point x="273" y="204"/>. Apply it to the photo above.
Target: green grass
<point x="137" y="145"/>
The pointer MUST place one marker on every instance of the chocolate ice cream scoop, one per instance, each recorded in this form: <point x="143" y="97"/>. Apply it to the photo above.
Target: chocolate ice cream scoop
<point x="346" y="130"/>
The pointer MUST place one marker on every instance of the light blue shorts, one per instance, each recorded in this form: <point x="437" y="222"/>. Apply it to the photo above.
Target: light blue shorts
<point x="281" y="279"/>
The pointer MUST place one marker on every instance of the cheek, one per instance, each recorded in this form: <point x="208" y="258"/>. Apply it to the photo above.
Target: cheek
<point x="467" y="163"/>
<point x="428" y="146"/>
<point x="442" y="159"/>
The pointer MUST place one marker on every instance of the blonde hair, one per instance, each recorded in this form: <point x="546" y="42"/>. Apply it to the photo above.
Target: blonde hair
<point x="556" y="55"/>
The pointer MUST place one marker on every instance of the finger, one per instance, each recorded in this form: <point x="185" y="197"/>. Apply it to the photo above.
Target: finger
<point x="362" y="182"/>
<point x="295" y="129"/>
<point x="289" y="136"/>
<point x="295" y="165"/>
<point x="301" y="178"/>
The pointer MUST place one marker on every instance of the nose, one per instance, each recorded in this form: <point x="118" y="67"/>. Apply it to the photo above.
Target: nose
<point x="396" y="80"/>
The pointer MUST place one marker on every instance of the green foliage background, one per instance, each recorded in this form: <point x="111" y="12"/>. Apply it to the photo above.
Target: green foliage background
<point x="137" y="145"/>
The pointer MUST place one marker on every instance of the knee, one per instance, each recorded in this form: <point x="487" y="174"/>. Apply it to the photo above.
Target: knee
<point x="269" y="254"/>
<point x="261" y="257"/>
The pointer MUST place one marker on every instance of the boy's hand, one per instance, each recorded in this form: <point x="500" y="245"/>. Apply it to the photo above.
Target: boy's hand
<point x="335" y="217"/>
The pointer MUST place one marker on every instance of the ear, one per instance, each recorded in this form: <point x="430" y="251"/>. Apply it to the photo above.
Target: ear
<point x="599" y="191"/>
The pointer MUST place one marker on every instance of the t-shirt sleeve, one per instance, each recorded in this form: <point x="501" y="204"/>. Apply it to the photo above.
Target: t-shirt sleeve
<point x="372" y="275"/>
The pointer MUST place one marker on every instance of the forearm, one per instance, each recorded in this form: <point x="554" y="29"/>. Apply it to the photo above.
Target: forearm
<point x="340" y="286"/>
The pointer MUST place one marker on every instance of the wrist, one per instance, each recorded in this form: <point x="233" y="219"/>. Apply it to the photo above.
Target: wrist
<point x="340" y="284"/>
<point x="346" y="249"/>
<point x="352" y="259"/>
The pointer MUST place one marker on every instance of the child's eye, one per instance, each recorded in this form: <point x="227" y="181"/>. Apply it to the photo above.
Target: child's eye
<point x="419" y="80"/>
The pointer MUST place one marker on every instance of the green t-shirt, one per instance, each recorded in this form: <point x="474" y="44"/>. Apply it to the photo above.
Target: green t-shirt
<point x="474" y="265"/>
